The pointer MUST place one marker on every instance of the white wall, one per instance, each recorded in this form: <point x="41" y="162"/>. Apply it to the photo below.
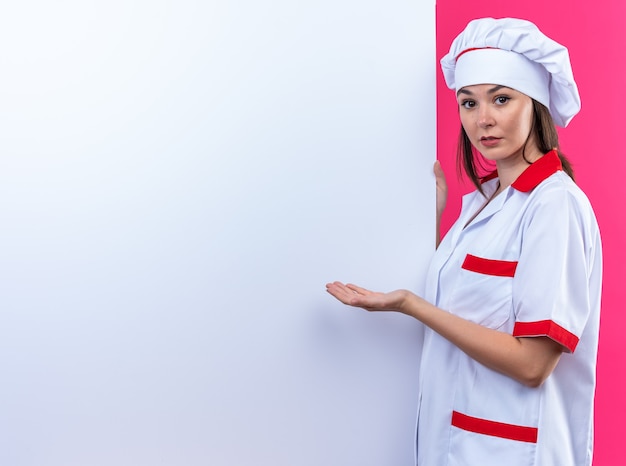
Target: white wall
<point x="178" y="181"/>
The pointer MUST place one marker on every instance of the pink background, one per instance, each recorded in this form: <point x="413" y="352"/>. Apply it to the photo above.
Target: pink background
<point x="593" y="32"/>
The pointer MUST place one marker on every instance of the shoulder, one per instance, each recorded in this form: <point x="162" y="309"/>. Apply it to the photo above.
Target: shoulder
<point x="559" y="203"/>
<point x="559" y="191"/>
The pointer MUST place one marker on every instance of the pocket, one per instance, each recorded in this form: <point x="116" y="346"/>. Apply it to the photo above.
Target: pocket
<point x="493" y="428"/>
<point x="475" y="441"/>
<point x="485" y="266"/>
<point x="483" y="291"/>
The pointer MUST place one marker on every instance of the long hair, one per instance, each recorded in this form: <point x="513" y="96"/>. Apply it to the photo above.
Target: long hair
<point x="543" y="128"/>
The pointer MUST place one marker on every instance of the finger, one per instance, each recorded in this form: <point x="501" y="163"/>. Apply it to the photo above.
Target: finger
<point x="340" y="292"/>
<point x="338" y="287"/>
<point x="440" y="176"/>
<point x="358" y="289"/>
<point x="335" y="287"/>
<point x="347" y="296"/>
<point x="328" y="285"/>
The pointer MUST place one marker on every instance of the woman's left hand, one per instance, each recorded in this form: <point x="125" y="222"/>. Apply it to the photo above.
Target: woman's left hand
<point x="356" y="296"/>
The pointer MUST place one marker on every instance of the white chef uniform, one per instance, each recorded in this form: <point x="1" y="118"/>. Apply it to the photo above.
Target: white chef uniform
<point x="529" y="265"/>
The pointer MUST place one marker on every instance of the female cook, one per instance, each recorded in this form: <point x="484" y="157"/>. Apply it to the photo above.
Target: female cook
<point x="512" y="298"/>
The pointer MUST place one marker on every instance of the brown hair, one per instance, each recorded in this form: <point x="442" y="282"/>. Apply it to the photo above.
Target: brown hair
<point x="473" y="164"/>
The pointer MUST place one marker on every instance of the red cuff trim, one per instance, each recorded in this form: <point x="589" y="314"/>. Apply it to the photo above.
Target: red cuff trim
<point x="495" y="429"/>
<point x="546" y="328"/>
<point x="489" y="266"/>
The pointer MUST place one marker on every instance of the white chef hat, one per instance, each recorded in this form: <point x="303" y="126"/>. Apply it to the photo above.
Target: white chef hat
<point x="514" y="53"/>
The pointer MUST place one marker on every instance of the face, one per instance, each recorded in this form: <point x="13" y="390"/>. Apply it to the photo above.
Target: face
<point x="498" y="121"/>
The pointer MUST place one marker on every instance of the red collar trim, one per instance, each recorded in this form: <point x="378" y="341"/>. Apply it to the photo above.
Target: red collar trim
<point x="538" y="171"/>
<point x="490" y="176"/>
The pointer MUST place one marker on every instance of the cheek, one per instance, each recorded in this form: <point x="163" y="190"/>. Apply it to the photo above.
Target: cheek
<point x="527" y="126"/>
<point x="522" y="124"/>
<point x="527" y="119"/>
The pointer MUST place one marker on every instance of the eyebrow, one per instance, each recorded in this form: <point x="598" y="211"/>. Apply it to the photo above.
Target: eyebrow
<point x="490" y="91"/>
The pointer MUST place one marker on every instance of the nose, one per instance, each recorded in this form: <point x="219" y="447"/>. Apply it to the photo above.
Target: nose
<point x="485" y="117"/>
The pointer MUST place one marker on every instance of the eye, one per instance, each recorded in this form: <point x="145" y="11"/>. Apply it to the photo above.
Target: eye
<point x="502" y="99"/>
<point x="468" y="104"/>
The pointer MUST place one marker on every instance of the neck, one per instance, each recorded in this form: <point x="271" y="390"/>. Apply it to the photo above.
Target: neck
<point x="509" y="170"/>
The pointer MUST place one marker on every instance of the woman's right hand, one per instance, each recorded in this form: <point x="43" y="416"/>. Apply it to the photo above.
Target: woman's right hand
<point x="442" y="188"/>
<point x="441" y="197"/>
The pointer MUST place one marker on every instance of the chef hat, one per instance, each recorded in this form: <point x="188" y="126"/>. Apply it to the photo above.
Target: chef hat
<point x="514" y="53"/>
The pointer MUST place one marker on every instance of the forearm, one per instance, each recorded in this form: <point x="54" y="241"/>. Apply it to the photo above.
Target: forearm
<point x="528" y="360"/>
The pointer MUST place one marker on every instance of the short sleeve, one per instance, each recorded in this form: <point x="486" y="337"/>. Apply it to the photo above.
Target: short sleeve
<point x="551" y="287"/>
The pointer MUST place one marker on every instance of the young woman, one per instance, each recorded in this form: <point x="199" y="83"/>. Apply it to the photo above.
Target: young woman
<point x="512" y="299"/>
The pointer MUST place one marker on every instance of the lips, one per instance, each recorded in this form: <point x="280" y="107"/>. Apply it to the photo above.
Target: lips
<point x="489" y="141"/>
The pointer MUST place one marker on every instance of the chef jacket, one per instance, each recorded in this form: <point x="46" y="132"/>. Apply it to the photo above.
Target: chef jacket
<point x="529" y="264"/>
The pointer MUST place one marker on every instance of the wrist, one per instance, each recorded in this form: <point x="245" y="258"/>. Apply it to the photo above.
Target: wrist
<point x="412" y="305"/>
<point x="407" y="302"/>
